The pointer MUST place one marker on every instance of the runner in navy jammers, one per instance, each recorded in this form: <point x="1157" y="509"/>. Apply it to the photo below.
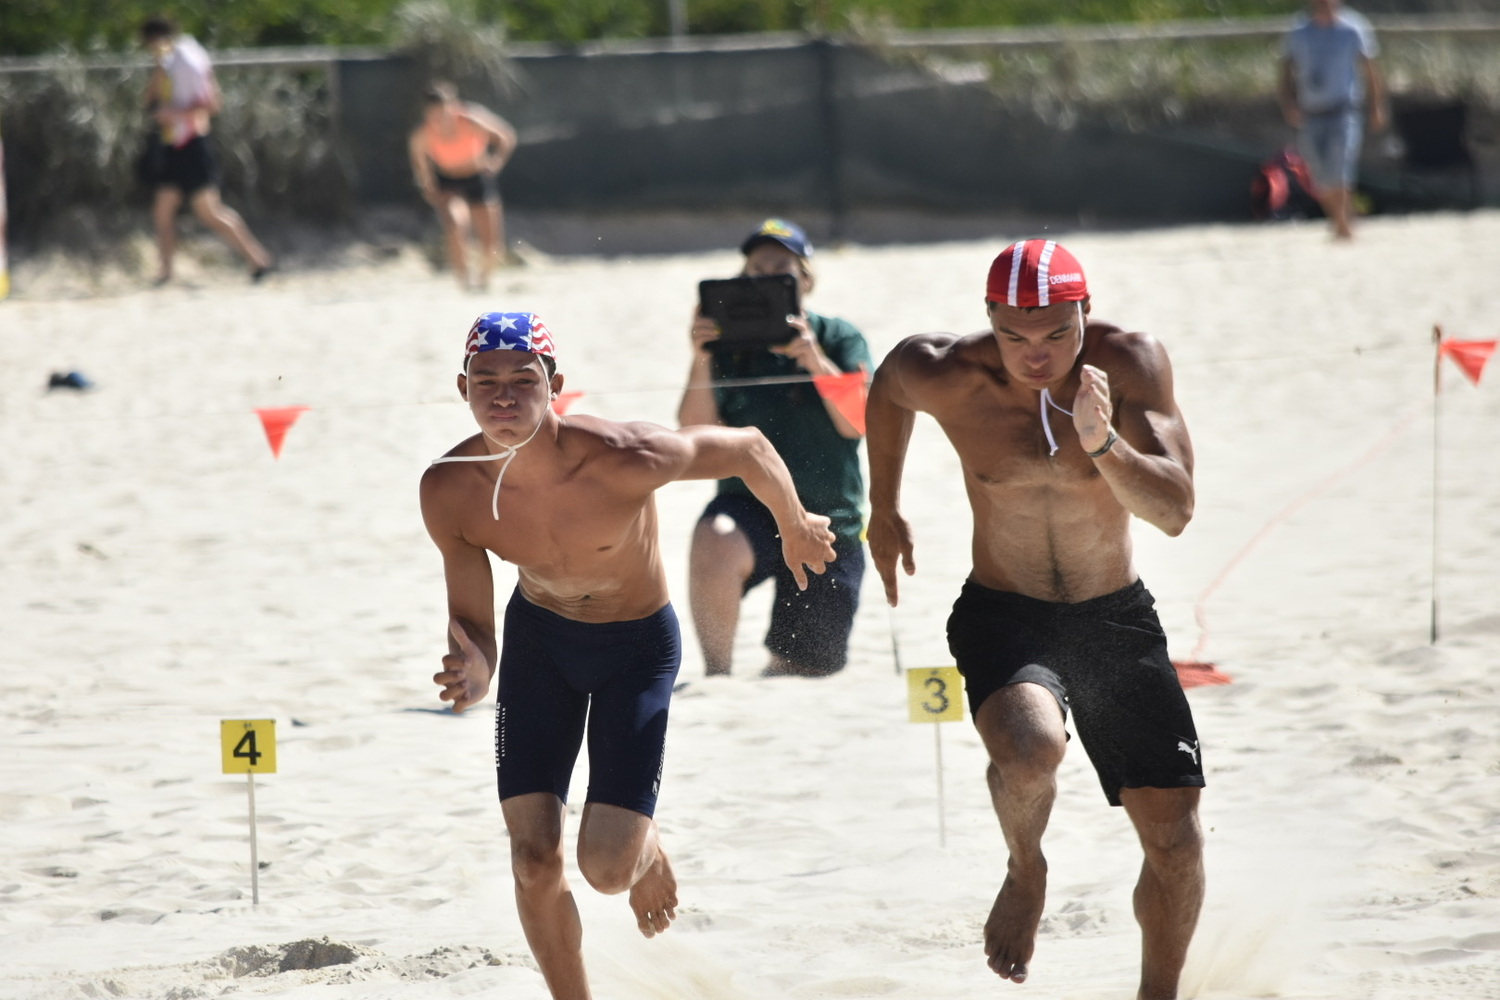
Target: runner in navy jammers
<point x="1065" y="428"/>
<point x="590" y="642"/>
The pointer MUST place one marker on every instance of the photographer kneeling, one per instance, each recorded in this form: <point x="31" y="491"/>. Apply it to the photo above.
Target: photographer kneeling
<point x="735" y="546"/>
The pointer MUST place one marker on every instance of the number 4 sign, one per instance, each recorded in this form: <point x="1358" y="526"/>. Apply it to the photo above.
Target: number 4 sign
<point x="249" y="745"/>
<point x="249" y="748"/>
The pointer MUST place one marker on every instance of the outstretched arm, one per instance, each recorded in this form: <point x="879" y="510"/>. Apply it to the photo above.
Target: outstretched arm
<point x="472" y="647"/>
<point x="889" y="418"/>
<point x="726" y="452"/>
<point x="1149" y="464"/>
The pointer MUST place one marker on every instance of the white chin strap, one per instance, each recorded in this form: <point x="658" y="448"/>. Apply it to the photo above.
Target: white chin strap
<point x="504" y="455"/>
<point x="1047" y="399"/>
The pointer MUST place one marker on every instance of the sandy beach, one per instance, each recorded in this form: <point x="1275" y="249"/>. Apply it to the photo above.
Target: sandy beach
<point x="162" y="572"/>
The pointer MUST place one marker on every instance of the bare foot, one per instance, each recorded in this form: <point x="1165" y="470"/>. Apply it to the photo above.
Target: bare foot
<point x="654" y="896"/>
<point x="1010" y="932"/>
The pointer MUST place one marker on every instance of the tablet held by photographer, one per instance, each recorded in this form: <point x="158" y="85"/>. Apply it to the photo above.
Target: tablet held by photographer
<point x="755" y="351"/>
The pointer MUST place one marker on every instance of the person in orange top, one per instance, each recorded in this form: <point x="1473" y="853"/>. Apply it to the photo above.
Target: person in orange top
<point x="457" y="154"/>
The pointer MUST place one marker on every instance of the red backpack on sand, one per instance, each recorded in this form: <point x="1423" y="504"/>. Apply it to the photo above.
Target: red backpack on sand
<point x="1282" y="188"/>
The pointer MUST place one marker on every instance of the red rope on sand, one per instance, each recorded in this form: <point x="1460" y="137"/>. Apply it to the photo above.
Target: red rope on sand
<point x="1200" y="616"/>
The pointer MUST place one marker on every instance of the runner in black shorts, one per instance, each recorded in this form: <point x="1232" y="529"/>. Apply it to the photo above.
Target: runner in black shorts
<point x="1067" y="430"/>
<point x="555" y="672"/>
<point x="1105" y="658"/>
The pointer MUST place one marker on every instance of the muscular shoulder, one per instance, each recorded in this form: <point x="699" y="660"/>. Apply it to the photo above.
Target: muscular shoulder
<point x="1136" y="363"/>
<point x="444" y="490"/>
<point x="634" y="456"/>
<point x="944" y="356"/>
<point x="926" y="369"/>
<point x="1112" y="348"/>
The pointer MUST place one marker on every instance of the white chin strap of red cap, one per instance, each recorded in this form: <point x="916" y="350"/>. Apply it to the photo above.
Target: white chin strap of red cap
<point x="1047" y="399"/>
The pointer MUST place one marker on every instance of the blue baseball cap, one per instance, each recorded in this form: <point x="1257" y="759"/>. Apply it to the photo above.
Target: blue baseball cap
<point x="788" y="234"/>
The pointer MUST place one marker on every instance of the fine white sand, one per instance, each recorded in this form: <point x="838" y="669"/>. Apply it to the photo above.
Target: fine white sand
<point x="162" y="572"/>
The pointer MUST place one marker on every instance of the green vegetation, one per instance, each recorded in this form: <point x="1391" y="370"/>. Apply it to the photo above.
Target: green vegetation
<point x="35" y="27"/>
<point x="75" y="127"/>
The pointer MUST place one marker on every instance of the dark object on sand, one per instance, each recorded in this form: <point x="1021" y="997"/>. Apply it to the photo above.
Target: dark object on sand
<point x="69" y="380"/>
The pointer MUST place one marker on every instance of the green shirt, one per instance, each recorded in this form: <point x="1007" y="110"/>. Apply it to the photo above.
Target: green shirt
<point x="824" y="464"/>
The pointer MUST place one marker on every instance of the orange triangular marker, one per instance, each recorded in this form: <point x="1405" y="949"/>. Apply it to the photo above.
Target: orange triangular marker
<point x="277" y="420"/>
<point x="1470" y="355"/>
<point x="563" y="401"/>
<point x="1196" y="673"/>
<point x="847" y="393"/>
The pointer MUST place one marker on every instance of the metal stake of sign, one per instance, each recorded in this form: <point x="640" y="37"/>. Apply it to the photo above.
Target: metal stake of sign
<point x="249" y="745"/>
<point x="937" y="745"/>
<point x="254" y="854"/>
<point x="935" y="695"/>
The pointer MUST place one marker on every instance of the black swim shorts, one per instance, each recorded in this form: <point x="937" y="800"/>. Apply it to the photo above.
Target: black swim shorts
<point x="1105" y="659"/>
<point x="556" y="672"/>
<point x="477" y="189"/>
<point x="808" y="627"/>
<point x="190" y="167"/>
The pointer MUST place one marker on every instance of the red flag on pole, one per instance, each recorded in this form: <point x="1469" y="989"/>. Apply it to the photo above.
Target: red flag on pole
<point x="847" y="393"/>
<point x="1470" y="355"/>
<point x="277" y="420"/>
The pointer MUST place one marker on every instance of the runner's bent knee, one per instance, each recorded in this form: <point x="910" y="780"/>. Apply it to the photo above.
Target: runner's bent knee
<point x="536" y="862"/>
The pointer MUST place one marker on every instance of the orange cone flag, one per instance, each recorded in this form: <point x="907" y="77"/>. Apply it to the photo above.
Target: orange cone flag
<point x="1470" y="355"/>
<point x="847" y="393"/>
<point x="563" y="401"/>
<point x="277" y="420"/>
<point x="1198" y="673"/>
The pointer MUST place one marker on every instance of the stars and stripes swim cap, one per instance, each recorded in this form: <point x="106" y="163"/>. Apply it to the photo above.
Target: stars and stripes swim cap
<point x="1031" y="273"/>
<point x="509" y="331"/>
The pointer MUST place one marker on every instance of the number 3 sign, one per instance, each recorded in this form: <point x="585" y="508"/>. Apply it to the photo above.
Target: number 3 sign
<point x="249" y="745"/>
<point x="935" y="694"/>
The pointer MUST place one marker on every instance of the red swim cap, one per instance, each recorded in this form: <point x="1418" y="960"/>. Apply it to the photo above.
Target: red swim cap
<point x="1033" y="273"/>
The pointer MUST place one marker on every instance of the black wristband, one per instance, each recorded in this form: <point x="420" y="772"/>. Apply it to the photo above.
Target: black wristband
<point x="1109" y="443"/>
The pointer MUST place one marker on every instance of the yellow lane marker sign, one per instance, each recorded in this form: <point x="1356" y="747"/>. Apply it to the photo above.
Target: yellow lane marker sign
<point x="936" y="694"/>
<point x="248" y="747"/>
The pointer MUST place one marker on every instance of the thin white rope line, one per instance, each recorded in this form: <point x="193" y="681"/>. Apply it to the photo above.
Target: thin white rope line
<point x="1357" y="351"/>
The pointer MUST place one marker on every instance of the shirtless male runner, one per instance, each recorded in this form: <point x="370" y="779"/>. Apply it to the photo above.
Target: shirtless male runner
<point x="589" y="632"/>
<point x="1064" y="429"/>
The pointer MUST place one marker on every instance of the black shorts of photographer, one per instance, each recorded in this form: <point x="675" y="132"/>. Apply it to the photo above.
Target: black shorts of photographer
<point x="809" y="631"/>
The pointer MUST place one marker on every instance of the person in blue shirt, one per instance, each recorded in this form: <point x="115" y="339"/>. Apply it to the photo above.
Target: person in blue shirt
<point x="1330" y="83"/>
<point x="735" y="543"/>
